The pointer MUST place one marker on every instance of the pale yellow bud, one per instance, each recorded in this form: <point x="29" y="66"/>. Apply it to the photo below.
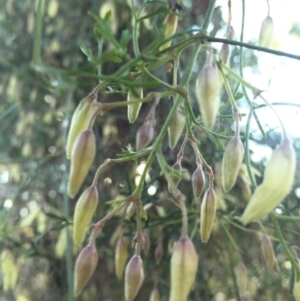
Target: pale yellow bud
<point x="208" y="213"/>
<point x="232" y="161"/>
<point x="84" y="211"/>
<point x="266" y="34"/>
<point x="278" y="180"/>
<point x="154" y="296"/>
<point x="134" y="109"/>
<point x="134" y="276"/>
<point x="208" y="88"/>
<point x="121" y="256"/>
<point x="176" y="127"/>
<point x="82" y="157"/>
<point x="296" y="288"/>
<point x="170" y="24"/>
<point x="184" y="265"/>
<point x="241" y="277"/>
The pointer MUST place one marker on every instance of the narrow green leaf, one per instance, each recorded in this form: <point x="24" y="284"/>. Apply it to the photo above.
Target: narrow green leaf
<point x="161" y="10"/>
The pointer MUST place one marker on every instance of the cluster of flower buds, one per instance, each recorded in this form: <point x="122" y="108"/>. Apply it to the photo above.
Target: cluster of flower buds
<point x="184" y="265"/>
<point x="278" y="180"/>
<point x="170" y="26"/>
<point x="208" y="90"/>
<point x="232" y="162"/>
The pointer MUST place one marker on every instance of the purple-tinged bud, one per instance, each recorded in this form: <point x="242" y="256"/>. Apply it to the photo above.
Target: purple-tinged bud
<point x="208" y="213"/>
<point x="84" y="267"/>
<point x="134" y="276"/>
<point x="144" y="136"/>
<point x="198" y="182"/>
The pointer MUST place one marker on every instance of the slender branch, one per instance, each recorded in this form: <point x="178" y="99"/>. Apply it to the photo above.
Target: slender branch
<point x="208" y="15"/>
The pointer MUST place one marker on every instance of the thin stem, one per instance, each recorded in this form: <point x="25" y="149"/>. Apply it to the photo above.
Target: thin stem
<point x="268" y="8"/>
<point x="139" y="235"/>
<point x="100" y="50"/>
<point x="208" y="15"/>
<point x="135" y="31"/>
<point x="37" y="59"/>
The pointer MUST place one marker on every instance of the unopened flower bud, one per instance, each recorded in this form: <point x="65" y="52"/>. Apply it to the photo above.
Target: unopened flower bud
<point x="159" y="253"/>
<point x="268" y="253"/>
<point x="154" y="296"/>
<point x="83" y="214"/>
<point x="121" y="256"/>
<point x="170" y="24"/>
<point x="177" y="166"/>
<point x="208" y="212"/>
<point x="184" y="265"/>
<point x="82" y="157"/>
<point x="266" y="34"/>
<point x="241" y="277"/>
<point x="130" y="210"/>
<point x="232" y="161"/>
<point x="208" y="88"/>
<point x="144" y="136"/>
<point x="84" y="267"/>
<point x="134" y="109"/>
<point x="147" y="242"/>
<point x="296" y="287"/>
<point x="176" y="127"/>
<point x="198" y="182"/>
<point x="278" y="180"/>
<point x="134" y="276"/>
<point x="80" y="120"/>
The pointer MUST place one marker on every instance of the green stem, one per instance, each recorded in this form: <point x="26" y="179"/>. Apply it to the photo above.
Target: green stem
<point x="135" y="31"/>
<point x="37" y="46"/>
<point x="208" y="15"/>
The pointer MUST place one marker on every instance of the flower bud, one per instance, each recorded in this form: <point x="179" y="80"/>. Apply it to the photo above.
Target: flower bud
<point x="80" y="119"/>
<point x="147" y="242"/>
<point x="269" y="258"/>
<point x="83" y="214"/>
<point x="130" y="210"/>
<point x="134" y="276"/>
<point x="296" y="287"/>
<point x="134" y="109"/>
<point x="159" y="253"/>
<point x="232" y="161"/>
<point x="61" y="244"/>
<point x="9" y="270"/>
<point x="241" y="277"/>
<point x="198" y="182"/>
<point x="208" y="88"/>
<point x="177" y="166"/>
<point x="144" y="136"/>
<point x="278" y="180"/>
<point x="184" y="265"/>
<point x="170" y="24"/>
<point x="266" y="34"/>
<point x="208" y="212"/>
<point x="154" y="296"/>
<point x="176" y="127"/>
<point x="84" y="267"/>
<point x="82" y="157"/>
<point x="121" y="256"/>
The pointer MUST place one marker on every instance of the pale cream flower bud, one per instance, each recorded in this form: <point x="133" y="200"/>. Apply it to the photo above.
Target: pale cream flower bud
<point x="296" y="287"/>
<point x="121" y="256"/>
<point x="134" y="276"/>
<point x="154" y="296"/>
<point x="176" y="127"/>
<point x="241" y="277"/>
<point x="278" y="180"/>
<point x="170" y="24"/>
<point x="184" y="265"/>
<point x="266" y="34"/>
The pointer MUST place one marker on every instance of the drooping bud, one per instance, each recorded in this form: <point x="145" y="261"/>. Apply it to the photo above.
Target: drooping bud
<point x="80" y="120"/>
<point x="198" y="181"/>
<point x="134" y="109"/>
<point x="296" y="287"/>
<point x="232" y="161"/>
<point x="184" y="265"/>
<point x="176" y="127"/>
<point x="278" y="180"/>
<point x="147" y="242"/>
<point x="144" y="136"/>
<point x="82" y="157"/>
<point x="266" y="34"/>
<point x="208" y="88"/>
<point x="9" y="270"/>
<point x="241" y="277"/>
<point x="159" y="253"/>
<point x="208" y="213"/>
<point x="121" y="256"/>
<point x="269" y="258"/>
<point x="61" y="244"/>
<point x="134" y="276"/>
<point x="177" y="166"/>
<point x="83" y="214"/>
<point x="170" y="24"/>
<point x="84" y="267"/>
<point x="225" y="49"/>
<point x="154" y="296"/>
